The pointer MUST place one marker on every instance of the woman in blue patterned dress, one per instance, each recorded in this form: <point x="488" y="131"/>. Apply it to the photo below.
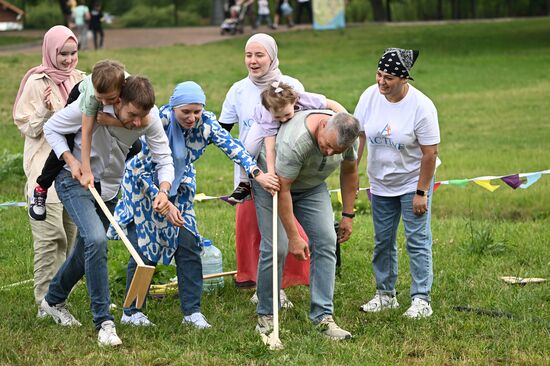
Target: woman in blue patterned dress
<point x="160" y="238"/>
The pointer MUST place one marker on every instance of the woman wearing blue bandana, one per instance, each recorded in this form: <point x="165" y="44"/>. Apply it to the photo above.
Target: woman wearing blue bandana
<point x="160" y="238"/>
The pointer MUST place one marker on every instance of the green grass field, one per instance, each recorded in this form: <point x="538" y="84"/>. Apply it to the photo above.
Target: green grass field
<point x="16" y="40"/>
<point x="491" y="85"/>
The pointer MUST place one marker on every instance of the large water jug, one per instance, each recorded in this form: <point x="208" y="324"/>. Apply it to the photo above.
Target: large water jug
<point x="211" y="263"/>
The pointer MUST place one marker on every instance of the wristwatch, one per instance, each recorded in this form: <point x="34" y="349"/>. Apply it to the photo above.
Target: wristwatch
<point x="348" y="215"/>
<point x="165" y="191"/>
<point x="253" y="174"/>
<point x="420" y="192"/>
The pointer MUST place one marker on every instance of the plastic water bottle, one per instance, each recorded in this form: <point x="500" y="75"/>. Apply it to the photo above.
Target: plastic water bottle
<point x="211" y="258"/>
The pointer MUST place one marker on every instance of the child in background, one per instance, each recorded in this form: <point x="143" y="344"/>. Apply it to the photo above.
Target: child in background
<point x="263" y="13"/>
<point x="100" y="88"/>
<point x="279" y="103"/>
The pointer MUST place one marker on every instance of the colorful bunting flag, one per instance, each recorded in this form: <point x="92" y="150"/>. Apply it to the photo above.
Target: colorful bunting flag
<point x="521" y="180"/>
<point x="531" y="178"/>
<point x="512" y="180"/>
<point x="459" y="182"/>
<point x="487" y="185"/>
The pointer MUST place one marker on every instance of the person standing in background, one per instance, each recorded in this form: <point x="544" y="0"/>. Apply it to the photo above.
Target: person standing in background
<point x="303" y="5"/>
<point x="263" y="13"/>
<point x="247" y="6"/>
<point x="96" y="18"/>
<point x="81" y="15"/>
<point x="67" y="12"/>
<point x="284" y="10"/>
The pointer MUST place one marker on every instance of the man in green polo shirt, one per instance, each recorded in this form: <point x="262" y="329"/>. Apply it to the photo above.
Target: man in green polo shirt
<point x="309" y="148"/>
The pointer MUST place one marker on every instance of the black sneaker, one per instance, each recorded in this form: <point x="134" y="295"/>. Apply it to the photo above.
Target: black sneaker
<point x="37" y="208"/>
<point x="240" y="194"/>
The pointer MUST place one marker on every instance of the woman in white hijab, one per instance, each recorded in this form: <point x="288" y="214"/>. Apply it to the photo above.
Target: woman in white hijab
<point x="262" y="64"/>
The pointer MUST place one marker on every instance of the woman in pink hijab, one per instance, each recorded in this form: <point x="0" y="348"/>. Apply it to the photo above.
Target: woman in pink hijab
<point x="43" y="91"/>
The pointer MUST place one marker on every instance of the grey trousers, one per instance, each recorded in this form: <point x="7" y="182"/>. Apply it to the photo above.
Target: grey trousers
<point x="53" y="240"/>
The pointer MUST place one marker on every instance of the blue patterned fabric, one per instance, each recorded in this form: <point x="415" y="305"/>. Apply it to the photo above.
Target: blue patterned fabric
<point x="157" y="238"/>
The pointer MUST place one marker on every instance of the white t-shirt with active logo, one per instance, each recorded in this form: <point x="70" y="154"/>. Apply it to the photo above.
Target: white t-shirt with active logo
<point x="394" y="134"/>
<point x="240" y="101"/>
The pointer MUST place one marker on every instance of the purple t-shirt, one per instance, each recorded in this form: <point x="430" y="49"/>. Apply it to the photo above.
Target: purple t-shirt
<point x="305" y="101"/>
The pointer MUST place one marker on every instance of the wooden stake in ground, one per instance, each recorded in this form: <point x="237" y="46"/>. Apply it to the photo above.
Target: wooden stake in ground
<point x="143" y="275"/>
<point x="272" y="340"/>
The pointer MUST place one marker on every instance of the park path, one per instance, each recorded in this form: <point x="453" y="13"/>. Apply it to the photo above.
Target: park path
<point x="145" y="37"/>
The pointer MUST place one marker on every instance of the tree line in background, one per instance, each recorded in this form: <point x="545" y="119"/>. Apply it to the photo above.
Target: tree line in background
<point x="399" y="10"/>
<point x="168" y="13"/>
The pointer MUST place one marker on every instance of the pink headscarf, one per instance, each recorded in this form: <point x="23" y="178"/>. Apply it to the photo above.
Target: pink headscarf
<point x="54" y="40"/>
<point x="273" y="73"/>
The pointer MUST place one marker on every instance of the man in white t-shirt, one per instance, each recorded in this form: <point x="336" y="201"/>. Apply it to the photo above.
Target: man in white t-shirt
<point x="400" y="128"/>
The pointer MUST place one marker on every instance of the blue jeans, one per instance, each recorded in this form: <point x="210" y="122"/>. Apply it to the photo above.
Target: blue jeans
<point x="89" y="254"/>
<point x="188" y="270"/>
<point x="386" y="214"/>
<point x="313" y="209"/>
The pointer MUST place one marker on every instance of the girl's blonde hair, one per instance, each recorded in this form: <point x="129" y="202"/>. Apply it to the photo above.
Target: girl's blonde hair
<point x="278" y="95"/>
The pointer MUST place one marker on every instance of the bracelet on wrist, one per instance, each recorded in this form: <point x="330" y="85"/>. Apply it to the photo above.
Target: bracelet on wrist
<point x="348" y="215"/>
<point x="165" y="191"/>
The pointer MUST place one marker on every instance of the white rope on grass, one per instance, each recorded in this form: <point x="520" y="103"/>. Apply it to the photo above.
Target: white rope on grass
<point x="16" y="284"/>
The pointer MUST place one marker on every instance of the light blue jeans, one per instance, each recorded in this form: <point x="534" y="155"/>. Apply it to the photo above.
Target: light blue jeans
<point x="188" y="269"/>
<point x="89" y="254"/>
<point x="386" y="214"/>
<point x="313" y="209"/>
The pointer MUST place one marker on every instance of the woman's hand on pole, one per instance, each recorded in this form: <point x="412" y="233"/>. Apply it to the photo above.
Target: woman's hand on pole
<point x="269" y="182"/>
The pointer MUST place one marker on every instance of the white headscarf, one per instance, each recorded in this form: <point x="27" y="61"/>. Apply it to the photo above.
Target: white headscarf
<point x="273" y="73"/>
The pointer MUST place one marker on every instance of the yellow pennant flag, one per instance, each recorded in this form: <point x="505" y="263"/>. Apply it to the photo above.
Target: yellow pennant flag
<point x="487" y="185"/>
<point x="339" y="195"/>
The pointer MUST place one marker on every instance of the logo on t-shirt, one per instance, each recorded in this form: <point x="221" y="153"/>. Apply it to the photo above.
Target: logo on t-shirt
<point x="386" y="132"/>
<point x="384" y="138"/>
<point x="248" y="122"/>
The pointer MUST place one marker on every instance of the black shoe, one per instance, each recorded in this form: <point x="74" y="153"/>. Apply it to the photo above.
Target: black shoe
<point x="37" y="208"/>
<point x="240" y="194"/>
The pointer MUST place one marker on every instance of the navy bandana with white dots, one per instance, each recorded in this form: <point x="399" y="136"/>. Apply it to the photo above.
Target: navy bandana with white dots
<point x="398" y="62"/>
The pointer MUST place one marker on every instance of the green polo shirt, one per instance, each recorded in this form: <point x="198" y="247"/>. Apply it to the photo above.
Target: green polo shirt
<point x="299" y="157"/>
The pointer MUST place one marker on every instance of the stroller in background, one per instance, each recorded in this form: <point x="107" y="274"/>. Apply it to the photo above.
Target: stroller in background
<point x="235" y="22"/>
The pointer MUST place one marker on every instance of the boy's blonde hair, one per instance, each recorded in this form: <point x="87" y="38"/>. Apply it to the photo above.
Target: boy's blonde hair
<point x="108" y="76"/>
<point x="278" y="95"/>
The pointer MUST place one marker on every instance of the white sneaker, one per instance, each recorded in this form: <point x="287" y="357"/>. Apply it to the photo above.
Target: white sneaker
<point x="137" y="319"/>
<point x="107" y="334"/>
<point x="419" y="309"/>
<point x="41" y="313"/>
<point x="254" y="298"/>
<point x="380" y="302"/>
<point x="60" y="314"/>
<point x="329" y="328"/>
<point x="264" y="325"/>
<point x="197" y="320"/>
<point x="285" y="302"/>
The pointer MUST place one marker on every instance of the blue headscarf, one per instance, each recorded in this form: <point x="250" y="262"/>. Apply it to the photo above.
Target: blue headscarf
<point x="187" y="92"/>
